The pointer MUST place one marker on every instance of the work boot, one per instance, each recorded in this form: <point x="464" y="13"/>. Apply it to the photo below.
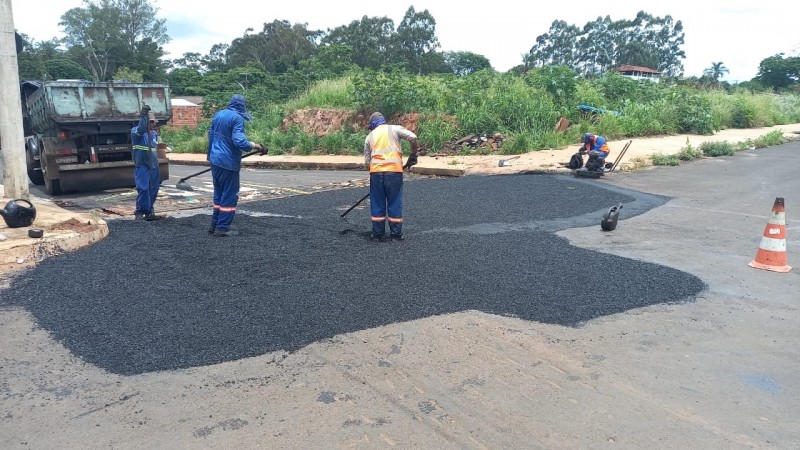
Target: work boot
<point x="225" y="233"/>
<point x="397" y="237"/>
<point x="150" y="217"/>
<point x="376" y="237"/>
<point x="211" y="229"/>
<point x="139" y="216"/>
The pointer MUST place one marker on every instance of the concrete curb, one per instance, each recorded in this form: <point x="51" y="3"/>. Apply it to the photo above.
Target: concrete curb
<point x="21" y="253"/>
<point x="64" y="231"/>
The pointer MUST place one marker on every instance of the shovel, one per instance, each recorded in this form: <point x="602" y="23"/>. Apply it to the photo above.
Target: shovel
<point x="504" y="162"/>
<point x="182" y="185"/>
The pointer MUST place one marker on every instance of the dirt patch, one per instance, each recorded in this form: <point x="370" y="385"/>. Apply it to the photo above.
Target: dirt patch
<point x="323" y="121"/>
<point x="75" y="225"/>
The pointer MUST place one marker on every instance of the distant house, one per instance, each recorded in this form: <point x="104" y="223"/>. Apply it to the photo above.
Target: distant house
<point x="639" y="73"/>
<point x="185" y="112"/>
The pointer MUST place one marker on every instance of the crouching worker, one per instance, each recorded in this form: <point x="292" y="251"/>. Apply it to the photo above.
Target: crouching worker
<point x="597" y="149"/>
<point x="383" y="154"/>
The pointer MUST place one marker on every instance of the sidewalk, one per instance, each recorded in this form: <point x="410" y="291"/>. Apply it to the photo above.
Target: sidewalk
<point x="542" y="161"/>
<point x="66" y="230"/>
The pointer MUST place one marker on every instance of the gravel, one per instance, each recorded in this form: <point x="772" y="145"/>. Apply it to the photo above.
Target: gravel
<point x="165" y="295"/>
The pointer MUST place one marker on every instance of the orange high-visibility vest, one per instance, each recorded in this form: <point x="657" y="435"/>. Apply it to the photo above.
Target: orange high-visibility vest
<point x="386" y="153"/>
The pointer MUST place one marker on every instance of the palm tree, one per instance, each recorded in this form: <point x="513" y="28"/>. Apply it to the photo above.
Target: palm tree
<point x="716" y="71"/>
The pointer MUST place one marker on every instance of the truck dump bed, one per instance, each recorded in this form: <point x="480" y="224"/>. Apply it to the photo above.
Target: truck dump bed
<point x="64" y="103"/>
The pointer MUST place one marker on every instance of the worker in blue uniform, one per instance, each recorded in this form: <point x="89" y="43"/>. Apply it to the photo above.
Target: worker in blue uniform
<point x="144" y="140"/>
<point x="226" y="143"/>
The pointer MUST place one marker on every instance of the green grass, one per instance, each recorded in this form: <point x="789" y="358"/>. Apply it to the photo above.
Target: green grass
<point x="714" y="149"/>
<point x="523" y="109"/>
<point x="325" y="94"/>
<point x="770" y="139"/>
<point x="660" y="159"/>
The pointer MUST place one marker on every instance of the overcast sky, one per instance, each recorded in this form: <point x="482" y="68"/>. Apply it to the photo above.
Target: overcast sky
<point x="737" y="33"/>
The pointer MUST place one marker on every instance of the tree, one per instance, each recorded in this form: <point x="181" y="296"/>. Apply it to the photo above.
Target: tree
<point x="464" y="63"/>
<point x="557" y="46"/>
<point x="277" y="48"/>
<point x="652" y="41"/>
<point x="778" y="72"/>
<point x="331" y="61"/>
<point x="186" y="81"/>
<point x="190" y="60"/>
<point x="716" y="71"/>
<point x="416" y="40"/>
<point x="603" y="44"/>
<point x="595" y="50"/>
<point x="106" y="34"/>
<point x="128" y="75"/>
<point x="217" y="58"/>
<point x="370" y="39"/>
<point x="63" y="68"/>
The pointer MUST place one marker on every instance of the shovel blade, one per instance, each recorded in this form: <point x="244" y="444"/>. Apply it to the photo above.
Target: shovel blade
<point x="184" y="186"/>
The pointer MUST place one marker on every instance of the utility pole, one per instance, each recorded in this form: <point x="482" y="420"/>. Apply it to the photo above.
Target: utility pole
<point x="12" y="137"/>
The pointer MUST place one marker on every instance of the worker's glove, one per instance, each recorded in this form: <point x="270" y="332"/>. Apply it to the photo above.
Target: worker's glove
<point x="259" y="148"/>
<point x="412" y="160"/>
<point x="145" y="110"/>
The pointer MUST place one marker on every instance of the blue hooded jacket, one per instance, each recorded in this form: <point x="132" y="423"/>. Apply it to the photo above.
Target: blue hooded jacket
<point x="226" y="138"/>
<point x="144" y="144"/>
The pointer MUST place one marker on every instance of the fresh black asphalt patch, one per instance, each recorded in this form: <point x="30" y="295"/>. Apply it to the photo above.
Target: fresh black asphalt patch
<point x="165" y="295"/>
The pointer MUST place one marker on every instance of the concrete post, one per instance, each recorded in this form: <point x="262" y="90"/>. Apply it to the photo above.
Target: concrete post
<point x="12" y="139"/>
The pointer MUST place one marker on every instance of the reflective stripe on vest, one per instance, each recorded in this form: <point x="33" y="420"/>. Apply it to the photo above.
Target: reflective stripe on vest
<point x="386" y="155"/>
<point x="145" y="148"/>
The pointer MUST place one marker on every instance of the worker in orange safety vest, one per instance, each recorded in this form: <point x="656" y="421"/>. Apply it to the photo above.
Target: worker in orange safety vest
<point x="383" y="154"/>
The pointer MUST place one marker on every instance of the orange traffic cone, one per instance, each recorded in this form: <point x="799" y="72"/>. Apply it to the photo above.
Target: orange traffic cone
<point x="772" y="250"/>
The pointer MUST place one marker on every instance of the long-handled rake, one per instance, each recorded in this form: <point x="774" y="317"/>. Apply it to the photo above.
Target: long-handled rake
<point x="406" y="166"/>
<point x="184" y="186"/>
<point x="354" y="206"/>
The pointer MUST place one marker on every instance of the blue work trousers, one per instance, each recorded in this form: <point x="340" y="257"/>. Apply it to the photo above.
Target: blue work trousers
<point x="147" y="184"/>
<point x="226" y="196"/>
<point x="386" y="202"/>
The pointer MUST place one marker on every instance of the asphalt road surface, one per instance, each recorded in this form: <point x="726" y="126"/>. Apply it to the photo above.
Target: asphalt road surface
<point x="298" y="273"/>
<point x="507" y="319"/>
<point x="255" y="184"/>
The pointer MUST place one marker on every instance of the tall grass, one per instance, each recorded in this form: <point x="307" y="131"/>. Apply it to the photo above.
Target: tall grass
<point x="325" y="94"/>
<point x="525" y="110"/>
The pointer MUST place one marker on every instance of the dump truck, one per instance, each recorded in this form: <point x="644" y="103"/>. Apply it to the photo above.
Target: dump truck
<point x="78" y="133"/>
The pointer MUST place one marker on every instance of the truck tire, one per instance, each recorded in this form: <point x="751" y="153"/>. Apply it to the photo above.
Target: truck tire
<point x="34" y="169"/>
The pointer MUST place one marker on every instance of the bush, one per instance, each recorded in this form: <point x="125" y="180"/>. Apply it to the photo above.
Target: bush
<point x="660" y="159"/>
<point x="743" y="114"/>
<point x="693" y="112"/>
<point x="689" y="153"/>
<point x="714" y="149"/>
<point x="770" y="139"/>
<point x="435" y="130"/>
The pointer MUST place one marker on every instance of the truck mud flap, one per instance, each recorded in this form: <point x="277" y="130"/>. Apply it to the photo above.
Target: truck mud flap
<point x="91" y="177"/>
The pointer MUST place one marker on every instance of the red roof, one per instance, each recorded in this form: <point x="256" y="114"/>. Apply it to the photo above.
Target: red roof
<point x="636" y="69"/>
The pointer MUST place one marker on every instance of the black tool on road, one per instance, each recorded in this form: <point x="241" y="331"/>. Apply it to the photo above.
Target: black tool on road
<point x="412" y="160"/>
<point x="18" y="215"/>
<point x="609" y="222"/>
<point x="182" y="185"/>
<point x="356" y="204"/>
